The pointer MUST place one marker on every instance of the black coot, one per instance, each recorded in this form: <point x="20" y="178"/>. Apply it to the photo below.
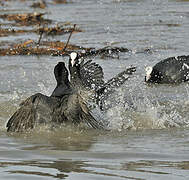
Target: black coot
<point x="170" y="70"/>
<point x="65" y="105"/>
<point x="91" y="76"/>
<point x="87" y="74"/>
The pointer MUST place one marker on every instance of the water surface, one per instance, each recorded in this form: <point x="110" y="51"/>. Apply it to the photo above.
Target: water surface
<point x="149" y="135"/>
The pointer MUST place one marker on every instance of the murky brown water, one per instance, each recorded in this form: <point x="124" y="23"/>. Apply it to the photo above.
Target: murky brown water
<point x="149" y="137"/>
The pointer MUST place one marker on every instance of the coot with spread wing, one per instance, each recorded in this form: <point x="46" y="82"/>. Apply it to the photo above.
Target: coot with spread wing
<point x="65" y="105"/>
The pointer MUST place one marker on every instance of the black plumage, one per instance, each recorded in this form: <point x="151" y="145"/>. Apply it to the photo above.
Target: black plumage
<point x="91" y="76"/>
<point x="169" y="71"/>
<point x="68" y="102"/>
<point x="87" y="74"/>
<point x="65" y="105"/>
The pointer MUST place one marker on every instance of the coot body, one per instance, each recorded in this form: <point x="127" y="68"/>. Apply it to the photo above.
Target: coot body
<point x="65" y="105"/>
<point x="171" y="71"/>
<point x="91" y="76"/>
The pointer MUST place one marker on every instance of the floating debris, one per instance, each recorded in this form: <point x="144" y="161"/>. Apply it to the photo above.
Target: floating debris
<point x="56" y="48"/>
<point x="30" y="47"/>
<point x="60" y="1"/>
<point x="48" y="31"/>
<point x="41" y="4"/>
<point x="58" y="30"/>
<point x="26" y="19"/>
<point x="29" y="51"/>
<point x="11" y="31"/>
<point x="105" y="52"/>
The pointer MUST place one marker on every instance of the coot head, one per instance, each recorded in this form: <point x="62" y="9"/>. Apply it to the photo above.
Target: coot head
<point x="63" y="84"/>
<point x="153" y="75"/>
<point x="61" y="73"/>
<point x="74" y="68"/>
<point x="74" y="59"/>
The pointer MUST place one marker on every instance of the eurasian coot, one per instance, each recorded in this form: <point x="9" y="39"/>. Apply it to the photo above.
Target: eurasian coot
<point x="171" y="70"/>
<point x="91" y="76"/>
<point x="65" y="105"/>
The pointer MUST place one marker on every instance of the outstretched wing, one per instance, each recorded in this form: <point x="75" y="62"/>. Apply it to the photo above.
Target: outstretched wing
<point x="35" y="109"/>
<point x="119" y="79"/>
<point x="87" y="117"/>
<point x="115" y="82"/>
<point x="23" y="118"/>
<point x="91" y="74"/>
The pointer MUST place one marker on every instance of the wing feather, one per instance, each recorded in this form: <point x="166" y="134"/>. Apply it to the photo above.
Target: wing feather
<point x="87" y="117"/>
<point x="23" y="119"/>
<point x="91" y="74"/>
<point x="37" y="108"/>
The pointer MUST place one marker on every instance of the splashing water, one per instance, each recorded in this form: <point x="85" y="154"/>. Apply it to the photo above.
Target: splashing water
<point x="145" y="111"/>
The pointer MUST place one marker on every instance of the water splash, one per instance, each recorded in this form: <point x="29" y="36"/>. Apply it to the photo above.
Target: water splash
<point x="44" y="89"/>
<point x="145" y="110"/>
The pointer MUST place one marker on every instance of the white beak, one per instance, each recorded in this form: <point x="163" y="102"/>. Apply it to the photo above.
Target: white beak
<point x="73" y="56"/>
<point x="148" y="72"/>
